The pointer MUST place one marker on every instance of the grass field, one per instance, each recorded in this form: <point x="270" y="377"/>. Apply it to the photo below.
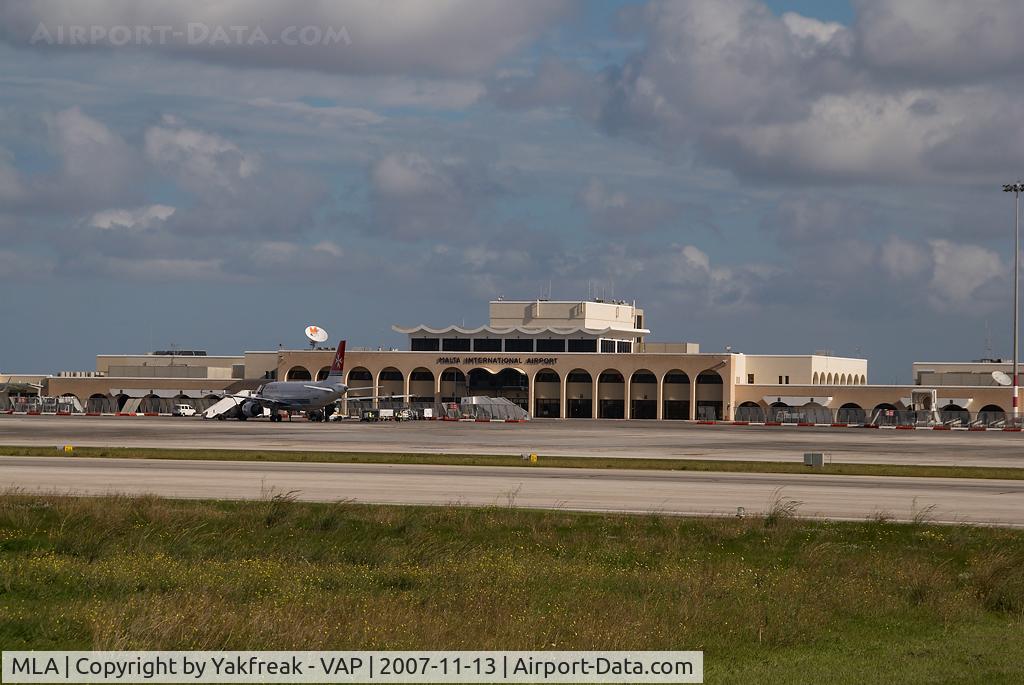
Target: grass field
<point x="769" y="600"/>
<point x="729" y="466"/>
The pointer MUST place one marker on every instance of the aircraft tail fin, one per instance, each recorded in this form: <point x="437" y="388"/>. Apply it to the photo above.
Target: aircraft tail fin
<point x="338" y="367"/>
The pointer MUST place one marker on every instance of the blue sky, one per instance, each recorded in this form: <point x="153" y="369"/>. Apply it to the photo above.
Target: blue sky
<point x="781" y="177"/>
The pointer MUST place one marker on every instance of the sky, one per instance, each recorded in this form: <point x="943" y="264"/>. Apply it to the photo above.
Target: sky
<point x="780" y="177"/>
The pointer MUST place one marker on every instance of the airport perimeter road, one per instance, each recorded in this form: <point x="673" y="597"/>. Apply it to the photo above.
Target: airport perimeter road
<point x="840" y="497"/>
<point x="586" y="438"/>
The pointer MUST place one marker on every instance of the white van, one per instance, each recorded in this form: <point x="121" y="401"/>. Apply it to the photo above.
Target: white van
<point x="184" y="410"/>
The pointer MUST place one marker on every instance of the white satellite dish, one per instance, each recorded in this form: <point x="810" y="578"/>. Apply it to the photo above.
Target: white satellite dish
<point x="315" y="335"/>
<point x="1002" y="378"/>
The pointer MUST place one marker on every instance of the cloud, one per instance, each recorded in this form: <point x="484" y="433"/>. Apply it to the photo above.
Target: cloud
<point x="914" y="90"/>
<point x="616" y="212"/>
<point x="202" y="162"/>
<point x="964" y="277"/>
<point x="137" y="218"/>
<point x="236" y="190"/>
<point x="942" y="41"/>
<point x="452" y="38"/>
<point x="415" y="197"/>
<point x="806" y="219"/>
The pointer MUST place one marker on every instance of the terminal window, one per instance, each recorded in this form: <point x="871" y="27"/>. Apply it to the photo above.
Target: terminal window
<point x="551" y="345"/>
<point x="583" y="346"/>
<point x="624" y="346"/>
<point x="519" y="345"/>
<point x="487" y="345"/>
<point x="607" y="345"/>
<point x="750" y="378"/>
<point x="426" y="344"/>
<point x="455" y="344"/>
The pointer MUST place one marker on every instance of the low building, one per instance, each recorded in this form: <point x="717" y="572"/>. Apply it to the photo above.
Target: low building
<point x="556" y="359"/>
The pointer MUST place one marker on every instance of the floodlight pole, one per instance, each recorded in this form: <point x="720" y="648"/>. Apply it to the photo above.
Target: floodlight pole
<point x="1015" y="188"/>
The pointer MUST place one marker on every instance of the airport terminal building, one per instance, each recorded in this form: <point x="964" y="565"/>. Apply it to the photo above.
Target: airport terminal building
<point x="556" y="359"/>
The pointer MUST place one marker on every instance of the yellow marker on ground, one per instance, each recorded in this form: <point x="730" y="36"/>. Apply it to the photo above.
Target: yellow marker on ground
<point x="68" y="449"/>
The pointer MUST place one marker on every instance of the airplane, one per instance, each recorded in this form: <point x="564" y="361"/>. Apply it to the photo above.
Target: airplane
<point x="312" y="397"/>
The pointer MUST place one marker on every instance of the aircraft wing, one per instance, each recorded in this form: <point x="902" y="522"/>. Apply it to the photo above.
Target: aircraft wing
<point x="375" y="397"/>
<point x="317" y="387"/>
<point x="257" y="398"/>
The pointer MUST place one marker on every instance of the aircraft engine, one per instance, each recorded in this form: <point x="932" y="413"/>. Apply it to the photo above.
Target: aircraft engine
<point x="251" y="409"/>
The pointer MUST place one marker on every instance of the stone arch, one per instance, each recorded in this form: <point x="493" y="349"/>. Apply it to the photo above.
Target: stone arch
<point x="814" y="379"/>
<point x="781" y="412"/>
<point x="360" y="378"/>
<point x="421" y="386"/>
<point x="100" y="403"/>
<point x="390" y="381"/>
<point x="813" y="412"/>
<point x="452" y="384"/>
<point x="643" y="395"/>
<point x="992" y="415"/>
<point x="828" y="380"/>
<point x="579" y="394"/>
<point x="611" y="394"/>
<point x="511" y="383"/>
<point x="750" y="411"/>
<point x="842" y="379"/>
<point x="298" y="373"/>
<point x="150" y="404"/>
<point x="710" y="395"/>
<point x="675" y="390"/>
<point x="954" y="414"/>
<point x="851" y="412"/>
<point x="547" y="394"/>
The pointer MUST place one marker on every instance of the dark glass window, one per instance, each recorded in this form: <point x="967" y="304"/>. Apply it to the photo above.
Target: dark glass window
<point x="578" y="377"/>
<point x="392" y="375"/>
<point x="359" y="375"/>
<point x="610" y="377"/>
<point x="519" y="344"/>
<point x="421" y="376"/>
<point x="624" y="346"/>
<point x="546" y="377"/>
<point x="455" y="344"/>
<point x="426" y="344"/>
<point x="551" y="345"/>
<point x="486" y="345"/>
<point x="607" y="345"/>
<point x="710" y="377"/>
<point x="644" y="377"/>
<point x="582" y="345"/>
<point x="680" y="378"/>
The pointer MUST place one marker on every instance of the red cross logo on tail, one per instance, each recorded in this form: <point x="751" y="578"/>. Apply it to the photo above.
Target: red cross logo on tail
<point x="339" y="360"/>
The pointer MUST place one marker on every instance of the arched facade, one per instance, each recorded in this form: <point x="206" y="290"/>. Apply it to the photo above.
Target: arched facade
<point x="676" y="395"/>
<point x="299" y="373"/>
<point x="710" y="396"/>
<point x="643" y="395"/>
<point x="611" y="395"/>
<point x="547" y="392"/>
<point x="579" y="394"/>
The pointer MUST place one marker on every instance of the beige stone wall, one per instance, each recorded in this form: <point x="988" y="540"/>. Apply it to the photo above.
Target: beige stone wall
<point x="541" y="314"/>
<point x="587" y="393"/>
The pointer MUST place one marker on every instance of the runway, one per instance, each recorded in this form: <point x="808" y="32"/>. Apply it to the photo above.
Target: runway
<point x="658" y="439"/>
<point x="945" y="500"/>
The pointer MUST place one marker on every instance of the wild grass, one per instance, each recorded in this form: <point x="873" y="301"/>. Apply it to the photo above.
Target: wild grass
<point x="773" y="599"/>
<point x="545" y="461"/>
